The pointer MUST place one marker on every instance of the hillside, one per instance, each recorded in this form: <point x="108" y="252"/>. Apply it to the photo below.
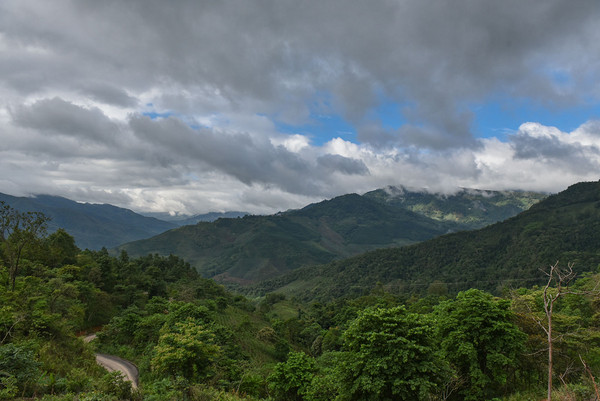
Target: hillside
<point x="92" y="225"/>
<point x="468" y="208"/>
<point x="253" y="248"/>
<point x="191" y="339"/>
<point x="564" y="227"/>
<point x="259" y="247"/>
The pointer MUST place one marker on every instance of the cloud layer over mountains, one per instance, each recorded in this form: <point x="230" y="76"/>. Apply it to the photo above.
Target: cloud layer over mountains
<point x="194" y="106"/>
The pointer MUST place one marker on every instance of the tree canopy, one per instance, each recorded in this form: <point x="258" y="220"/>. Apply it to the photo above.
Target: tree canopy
<point x="390" y="354"/>
<point x="480" y="340"/>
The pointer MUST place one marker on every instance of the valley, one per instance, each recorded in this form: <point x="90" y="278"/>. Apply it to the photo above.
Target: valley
<point x="316" y="330"/>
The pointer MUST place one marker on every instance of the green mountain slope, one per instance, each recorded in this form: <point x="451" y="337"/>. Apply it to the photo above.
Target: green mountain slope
<point x="468" y="208"/>
<point x="255" y="248"/>
<point x="259" y="247"/>
<point x="564" y="227"/>
<point x="92" y="225"/>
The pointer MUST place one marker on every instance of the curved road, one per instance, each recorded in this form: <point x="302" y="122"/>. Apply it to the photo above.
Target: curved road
<point x="114" y="363"/>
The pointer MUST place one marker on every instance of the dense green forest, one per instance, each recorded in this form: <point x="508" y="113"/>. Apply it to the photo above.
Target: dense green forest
<point x="192" y="339"/>
<point x="505" y="255"/>
<point x="254" y="248"/>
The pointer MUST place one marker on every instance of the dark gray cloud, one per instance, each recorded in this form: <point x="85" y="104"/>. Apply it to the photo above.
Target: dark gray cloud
<point x="65" y="118"/>
<point x="410" y="135"/>
<point x="249" y="159"/>
<point x="345" y="165"/>
<point x="106" y="93"/>
<point x="76" y="77"/>
<point x="274" y="56"/>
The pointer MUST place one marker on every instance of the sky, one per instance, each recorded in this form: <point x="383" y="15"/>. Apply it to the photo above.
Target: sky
<point x="192" y="106"/>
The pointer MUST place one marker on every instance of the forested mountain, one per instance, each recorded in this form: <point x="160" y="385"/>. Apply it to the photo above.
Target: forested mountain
<point x="469" y="208"/>
<point x="259" y="247"/>
<point x="564" y="227"/>
<point x="92" y="225"/>
<point x="193" y="340"/>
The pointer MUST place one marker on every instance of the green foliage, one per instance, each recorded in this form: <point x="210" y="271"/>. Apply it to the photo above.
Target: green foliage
<point x="187" y="349"/>
<point x="565" y="226"/>
<point x="112" y="383"/>
<point x="259" y="247"/>
<point x="390" y="354"/>
<point x="20" y="233"/>
<point x="18" y="367"/>
<point x="292" y="379"/>
<point x="575" y="331"/>
<point x="8" y="387"/>
<point x="480" y="340"/>
<point x="60" y="249"/>
<point x="470" y="208"/>
<point x="60" y="290"/>
<point x="192" y="339"/>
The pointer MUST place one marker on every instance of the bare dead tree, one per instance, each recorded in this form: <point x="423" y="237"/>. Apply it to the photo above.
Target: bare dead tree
<point x="557" y="286"/>
<point x="563" y="376"/>
<point x="561" y="277"/>
<point x="18" y="320"/>
<point x="589" y="372"/>
<point x="451" y="385"/>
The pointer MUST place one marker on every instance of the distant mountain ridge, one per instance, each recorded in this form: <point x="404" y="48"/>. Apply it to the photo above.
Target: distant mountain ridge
<point x="92" y="225"/>
<point x="469" y="208"/>
<point x="255" y="248"/>
<point x="564" y="227"/>
<point x="186" y="220"/>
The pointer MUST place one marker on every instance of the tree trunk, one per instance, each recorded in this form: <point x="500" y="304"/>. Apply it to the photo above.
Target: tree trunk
<point x="550" y="355"/>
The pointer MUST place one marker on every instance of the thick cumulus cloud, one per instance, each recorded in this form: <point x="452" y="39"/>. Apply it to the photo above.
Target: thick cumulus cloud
<point x="250" y="159"/>
<point x="89" y="148"/>
<point x="150" y="103"/>
<point x="66" y="119"/>
<point x="431" y="57"/>
<point x="166" y="164"/>
<point x="576" y="152"/>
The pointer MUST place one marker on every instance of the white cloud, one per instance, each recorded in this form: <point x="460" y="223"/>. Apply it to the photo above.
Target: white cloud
<point x="77" y="77"/>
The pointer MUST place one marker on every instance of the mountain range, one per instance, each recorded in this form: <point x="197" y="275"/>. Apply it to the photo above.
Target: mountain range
<point x="254" y="248"/>
<point x="186" y="220"/>
<point x="92" y="225"/>
<point x="240" y="248"/>
<point x="564" y="227"/>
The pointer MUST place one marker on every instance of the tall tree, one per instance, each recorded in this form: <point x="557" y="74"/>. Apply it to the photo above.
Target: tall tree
<point x="291" y="379"/>
<point x="18" y="230"/>
<point x="390" y="355"/>
<point x="187" y="349"/>
<point x="480" y="341"/>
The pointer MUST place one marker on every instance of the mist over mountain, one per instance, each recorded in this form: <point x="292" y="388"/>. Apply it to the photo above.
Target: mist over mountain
<point x="469" y="208"/>
<point x="185" y="219"/>
<point x="564" y="227"/>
